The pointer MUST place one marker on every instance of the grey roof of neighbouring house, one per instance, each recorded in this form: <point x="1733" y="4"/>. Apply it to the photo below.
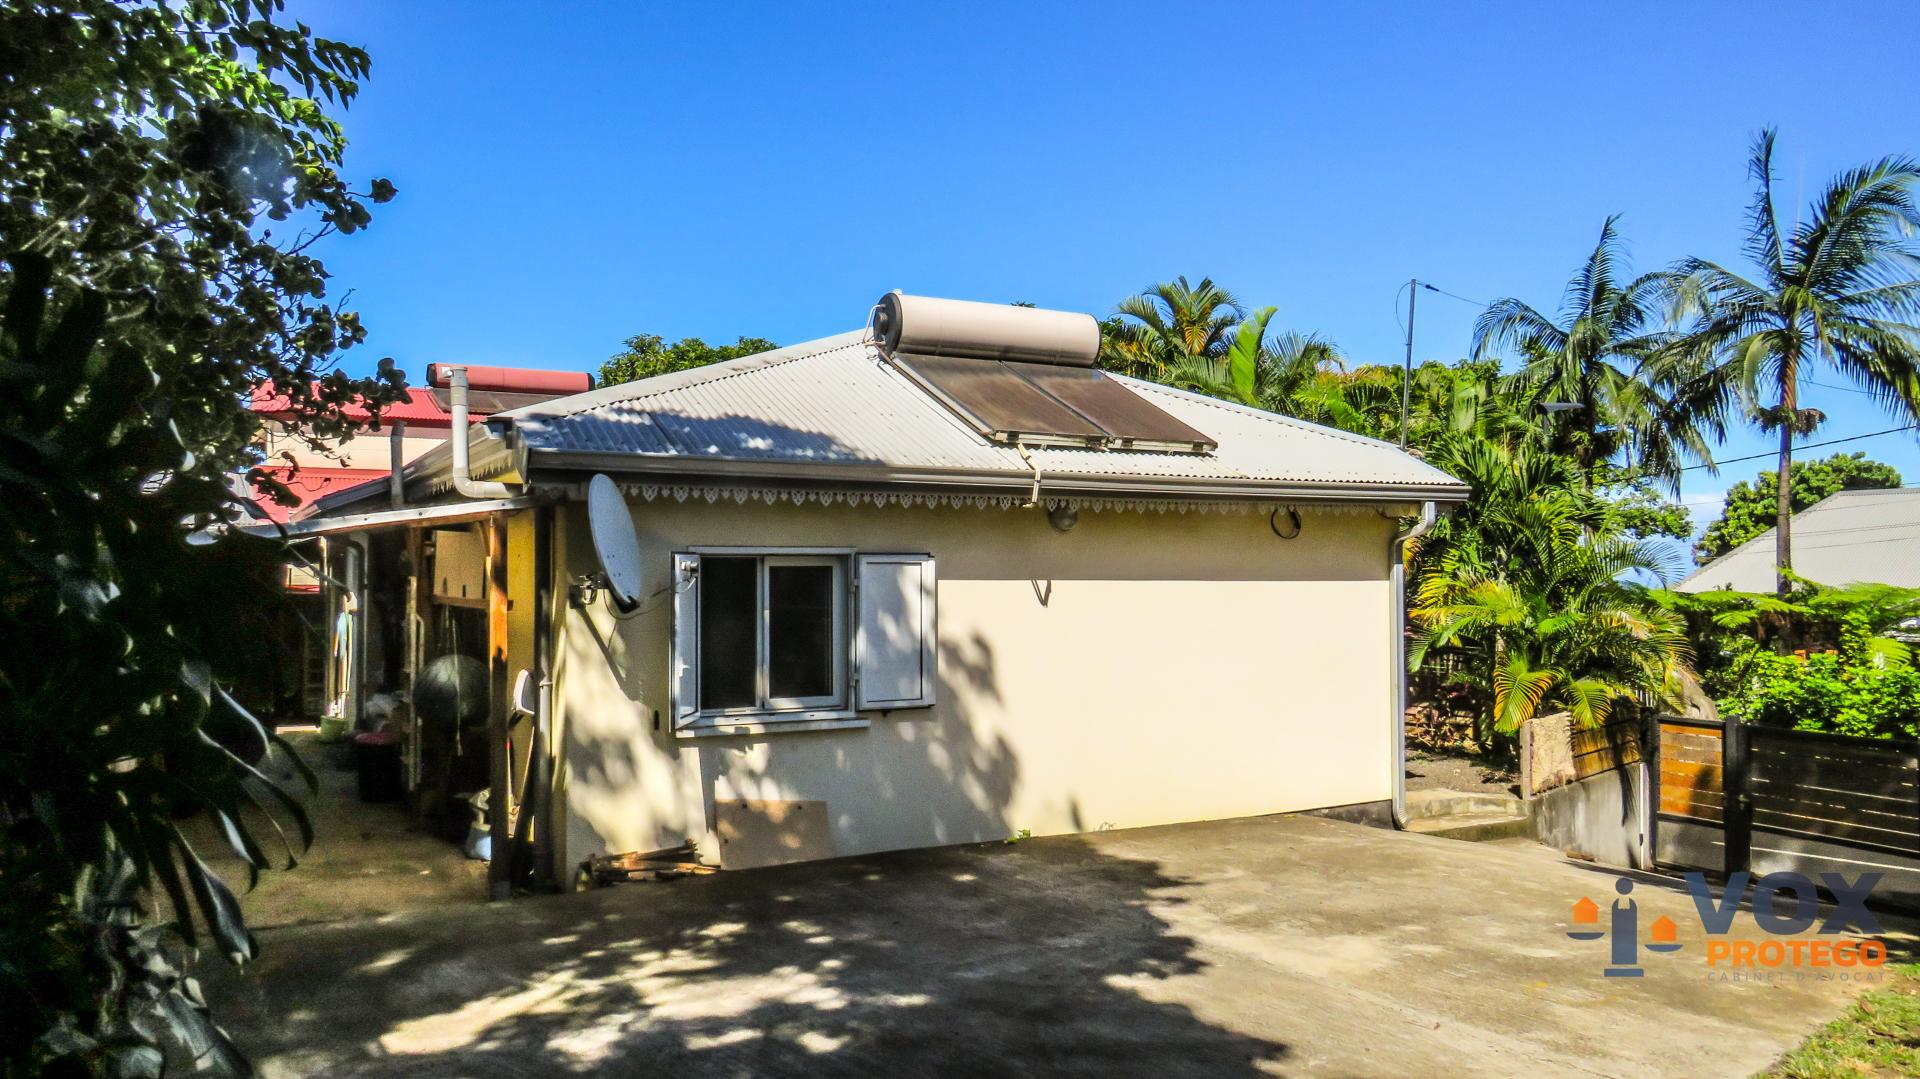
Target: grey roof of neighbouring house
<point x="1853" y="537"/>
<point x="835" y="411"/>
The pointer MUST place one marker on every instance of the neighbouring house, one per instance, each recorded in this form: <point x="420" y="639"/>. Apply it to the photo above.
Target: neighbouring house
<point x="408" y="428"/>
<point x="1848" y="537"/>
<point x="317" y="669"/>
<point x="938" y="581"/>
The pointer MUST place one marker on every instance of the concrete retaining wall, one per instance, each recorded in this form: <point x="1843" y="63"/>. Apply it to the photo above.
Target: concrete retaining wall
<point x="1602" y="817"/>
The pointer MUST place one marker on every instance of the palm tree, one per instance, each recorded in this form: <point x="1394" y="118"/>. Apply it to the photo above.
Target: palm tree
<point x="1525" y="584"/>
<point x="1596" y="357"/>
<point x="1171" y="323"/>
<point x="1278" y="374"/>
<point x="1605" y="642"/>
<point x="1838" y="288"/>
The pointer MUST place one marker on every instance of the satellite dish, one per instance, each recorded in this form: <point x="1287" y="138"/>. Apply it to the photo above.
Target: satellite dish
<point x="614" y="542"/>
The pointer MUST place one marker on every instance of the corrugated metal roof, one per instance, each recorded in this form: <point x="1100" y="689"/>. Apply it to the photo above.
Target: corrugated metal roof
<point x="1852" y="537"/>
<point x="309" y="484"/>
<point x="837" y="402"/>
<point x="419" y="408"/>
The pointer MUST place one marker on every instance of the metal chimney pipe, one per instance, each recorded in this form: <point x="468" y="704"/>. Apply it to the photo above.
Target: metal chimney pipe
<point x="463" y="480"/>
<point x="396" y="460"/>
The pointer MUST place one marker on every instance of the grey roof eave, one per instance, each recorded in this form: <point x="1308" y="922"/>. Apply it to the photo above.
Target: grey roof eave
<point x="681" y="469"/>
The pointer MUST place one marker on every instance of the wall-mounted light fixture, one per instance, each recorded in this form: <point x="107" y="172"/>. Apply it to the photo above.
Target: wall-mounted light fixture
<point x="1063" y="518"/>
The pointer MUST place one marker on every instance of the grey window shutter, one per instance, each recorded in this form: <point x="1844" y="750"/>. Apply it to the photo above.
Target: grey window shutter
<point x="894" y="642"/>
<point x="683" y="663"/>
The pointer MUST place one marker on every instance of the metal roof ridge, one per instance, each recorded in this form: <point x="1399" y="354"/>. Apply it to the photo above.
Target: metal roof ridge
<point x="639" y="389"/>
<point x="1282" y="419"/>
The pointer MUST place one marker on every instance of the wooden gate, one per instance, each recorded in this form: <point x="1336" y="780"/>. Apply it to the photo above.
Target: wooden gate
<point x="1690" y="828"/>
<point x="1735" y="797"/>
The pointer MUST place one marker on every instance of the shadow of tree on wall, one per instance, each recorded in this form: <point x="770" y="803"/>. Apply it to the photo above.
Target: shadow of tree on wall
<point x="977" y="960"/>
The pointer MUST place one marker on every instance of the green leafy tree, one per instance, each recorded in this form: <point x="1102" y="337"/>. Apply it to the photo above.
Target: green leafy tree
<point x="1751" y="509"/>
<point x="1641" y="510"/>
<point x="647" y="355"/>
<point x="1852" y="669"/>
<point x="1839" y="288"/>
<point x="165" y="169"/>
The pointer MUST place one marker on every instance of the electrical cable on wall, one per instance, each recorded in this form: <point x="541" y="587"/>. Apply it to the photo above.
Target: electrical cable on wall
<point x="1293" y="515"/>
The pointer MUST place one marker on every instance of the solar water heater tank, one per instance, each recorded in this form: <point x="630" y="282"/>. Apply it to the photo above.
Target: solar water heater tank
<point x="931" y="326"/>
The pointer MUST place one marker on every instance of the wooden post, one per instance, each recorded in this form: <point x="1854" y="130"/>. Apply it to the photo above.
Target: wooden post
<point x="1735" y="762"/>
<point x="499" y="793"/>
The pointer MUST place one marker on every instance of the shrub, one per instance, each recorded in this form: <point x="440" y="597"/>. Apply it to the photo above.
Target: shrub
<point x="1826" y="692"/>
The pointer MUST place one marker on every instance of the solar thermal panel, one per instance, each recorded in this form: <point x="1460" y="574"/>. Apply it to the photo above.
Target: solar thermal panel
<point x="1128" y="418"/>
<point x="1048" y="404"/>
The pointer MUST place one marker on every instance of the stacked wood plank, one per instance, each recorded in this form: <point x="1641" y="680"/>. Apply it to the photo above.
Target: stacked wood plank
<point x="1691" y="763"/>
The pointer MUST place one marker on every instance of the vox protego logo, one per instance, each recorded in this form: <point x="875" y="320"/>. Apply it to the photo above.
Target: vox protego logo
<point x="1782" y="905"/>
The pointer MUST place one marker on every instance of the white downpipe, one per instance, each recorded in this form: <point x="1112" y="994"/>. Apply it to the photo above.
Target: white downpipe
<point x="463" y="480"/>
<point x="1397" y="578"/>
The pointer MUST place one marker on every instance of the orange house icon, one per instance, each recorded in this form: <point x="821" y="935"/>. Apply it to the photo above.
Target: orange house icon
<point x="1587" y="912"/>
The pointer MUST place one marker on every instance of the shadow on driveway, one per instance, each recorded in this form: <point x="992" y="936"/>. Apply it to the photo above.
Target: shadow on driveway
<point x="1270" y="945"/>
<point x="958" y="961"/>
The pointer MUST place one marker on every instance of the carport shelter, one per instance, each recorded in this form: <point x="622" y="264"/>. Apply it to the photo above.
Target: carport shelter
<point x="935" y="581"/>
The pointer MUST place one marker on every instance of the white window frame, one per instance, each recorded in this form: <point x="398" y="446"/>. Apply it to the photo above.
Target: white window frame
<point x="838" y="625"/>
<point x="768" y="709"/>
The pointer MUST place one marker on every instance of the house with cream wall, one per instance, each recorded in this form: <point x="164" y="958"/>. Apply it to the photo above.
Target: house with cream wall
<point x="936" y="581"/>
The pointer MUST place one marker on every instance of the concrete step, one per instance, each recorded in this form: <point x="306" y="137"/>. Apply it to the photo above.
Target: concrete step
<point x="1451" y="803"/>
<point x="1478" y="827"/>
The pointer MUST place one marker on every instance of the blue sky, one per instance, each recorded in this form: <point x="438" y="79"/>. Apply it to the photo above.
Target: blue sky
<point x="573" y="174"/>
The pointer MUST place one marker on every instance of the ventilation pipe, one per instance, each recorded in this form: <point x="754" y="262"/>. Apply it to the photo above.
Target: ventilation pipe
<point x="396" y="460"/>
<point x="1397" y="552"/>
<point x="463" y="480"/>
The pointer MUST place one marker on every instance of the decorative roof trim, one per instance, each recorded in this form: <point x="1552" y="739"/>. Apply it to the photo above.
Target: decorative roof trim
<point x="801" y="496"/>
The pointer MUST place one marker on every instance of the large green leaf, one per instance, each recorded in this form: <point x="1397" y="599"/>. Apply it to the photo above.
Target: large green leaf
<point x="1243" y="358"/>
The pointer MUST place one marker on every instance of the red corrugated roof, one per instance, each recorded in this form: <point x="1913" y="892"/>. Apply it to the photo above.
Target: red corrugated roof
<point x="309" y="483"/>
<point x="422" y="410"/>
<point x="419" y="407"/>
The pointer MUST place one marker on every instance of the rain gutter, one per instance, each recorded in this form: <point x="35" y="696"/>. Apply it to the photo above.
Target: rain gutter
<point x="678" y="469"/>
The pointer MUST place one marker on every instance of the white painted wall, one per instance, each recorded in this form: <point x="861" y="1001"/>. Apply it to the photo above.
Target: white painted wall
<point x="1141" y="669"/>
<point x="367" y="450"/>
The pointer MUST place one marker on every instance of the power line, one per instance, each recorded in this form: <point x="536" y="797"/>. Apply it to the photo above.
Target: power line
<point x="1806" y="446"/>
<point x="1451" y="295"/>
<point x="1831" y="386"/>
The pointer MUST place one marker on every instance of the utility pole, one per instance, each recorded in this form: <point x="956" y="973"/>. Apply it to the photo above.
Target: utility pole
<point x="1406" y="382"/>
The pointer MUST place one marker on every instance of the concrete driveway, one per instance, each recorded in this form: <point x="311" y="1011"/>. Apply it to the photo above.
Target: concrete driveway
<point x="1277" y="945"/>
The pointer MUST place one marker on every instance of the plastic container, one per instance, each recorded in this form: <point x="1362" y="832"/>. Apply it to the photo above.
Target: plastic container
<point x="376" y="760"/>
